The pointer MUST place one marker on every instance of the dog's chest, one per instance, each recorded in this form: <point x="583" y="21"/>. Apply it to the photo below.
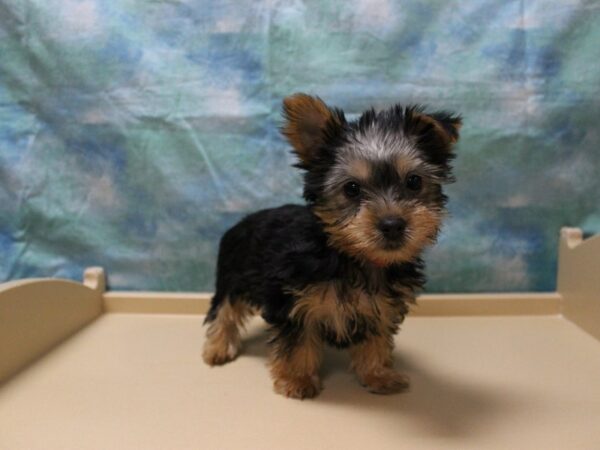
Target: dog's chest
<point x="346" y="318"/>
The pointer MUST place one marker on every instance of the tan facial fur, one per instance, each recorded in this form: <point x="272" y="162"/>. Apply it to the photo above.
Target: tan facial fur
<point x="359" y="169"/>
<point x="359" y="236"/>
<point x="353" y="226"/>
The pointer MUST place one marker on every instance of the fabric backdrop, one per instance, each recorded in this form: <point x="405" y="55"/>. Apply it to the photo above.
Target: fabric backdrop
<point x="133" y="133"/>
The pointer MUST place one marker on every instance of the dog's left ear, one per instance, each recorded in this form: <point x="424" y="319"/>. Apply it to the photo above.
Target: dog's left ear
<point x="308" y="123"/>
<point x="450" y="124"/>
<point x="436" y="132"/>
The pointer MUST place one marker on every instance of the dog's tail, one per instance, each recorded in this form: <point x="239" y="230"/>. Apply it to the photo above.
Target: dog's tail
<point x="215" y="305"/>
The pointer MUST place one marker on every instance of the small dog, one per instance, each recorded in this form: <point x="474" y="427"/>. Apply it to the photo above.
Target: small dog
<point x="343" y="269"/>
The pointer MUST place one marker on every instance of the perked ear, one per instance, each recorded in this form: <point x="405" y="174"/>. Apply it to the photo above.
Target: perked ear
<point x="440" y="130"/>
<point x="308" y="122"/>
<point x="450" y="123"/>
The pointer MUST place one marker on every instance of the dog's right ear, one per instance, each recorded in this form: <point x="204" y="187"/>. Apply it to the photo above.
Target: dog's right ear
<point x="308" y="123"/>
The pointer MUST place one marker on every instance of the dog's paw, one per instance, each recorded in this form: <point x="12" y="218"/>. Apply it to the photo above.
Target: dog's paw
<point x="306" y="386"/>
<point x="385" y="381"/>
<point x="217" y="355"/>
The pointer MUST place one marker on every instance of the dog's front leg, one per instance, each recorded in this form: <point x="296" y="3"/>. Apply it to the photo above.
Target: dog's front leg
<point x="295" y="357"/>
<point x="373" y="364"/>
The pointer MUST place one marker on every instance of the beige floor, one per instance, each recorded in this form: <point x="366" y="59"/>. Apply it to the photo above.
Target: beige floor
<point x="137" y="382"/>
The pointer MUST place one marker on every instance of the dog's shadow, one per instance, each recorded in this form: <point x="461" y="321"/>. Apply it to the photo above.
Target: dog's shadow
<point x="442" y="406"/>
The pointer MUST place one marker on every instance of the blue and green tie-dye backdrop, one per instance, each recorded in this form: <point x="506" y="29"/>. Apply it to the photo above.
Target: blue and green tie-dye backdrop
<point x="132" y="133"/>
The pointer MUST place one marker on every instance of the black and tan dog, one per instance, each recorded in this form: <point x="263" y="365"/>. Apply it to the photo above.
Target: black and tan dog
<point x="343" y="269"/>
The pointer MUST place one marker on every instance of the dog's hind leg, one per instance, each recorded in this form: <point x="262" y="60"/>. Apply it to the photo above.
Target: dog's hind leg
<point x="225" y="319"/>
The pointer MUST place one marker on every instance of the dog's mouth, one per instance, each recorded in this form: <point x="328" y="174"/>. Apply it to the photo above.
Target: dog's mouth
<point x="392" y="246"/>
<point x="386" y="252"/>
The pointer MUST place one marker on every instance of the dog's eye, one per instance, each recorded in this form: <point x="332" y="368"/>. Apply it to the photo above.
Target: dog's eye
<point x="414" y="182"/>
<point x="352" y="189"/>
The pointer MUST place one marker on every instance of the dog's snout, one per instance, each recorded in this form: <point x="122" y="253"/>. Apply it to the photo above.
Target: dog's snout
<point x="392" y="228"/>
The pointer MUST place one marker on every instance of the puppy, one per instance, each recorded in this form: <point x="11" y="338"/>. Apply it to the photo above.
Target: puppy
<point x="342" y="269"/>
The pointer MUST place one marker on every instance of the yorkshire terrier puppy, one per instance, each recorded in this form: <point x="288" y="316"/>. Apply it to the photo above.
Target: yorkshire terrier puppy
<point x="343" y="269"/>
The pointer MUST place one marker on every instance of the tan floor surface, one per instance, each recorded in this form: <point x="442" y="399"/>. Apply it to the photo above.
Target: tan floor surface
<point x="137" y="382"/>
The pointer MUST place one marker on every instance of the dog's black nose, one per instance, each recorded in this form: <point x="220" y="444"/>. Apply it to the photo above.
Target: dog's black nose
<point x="392" y="228"/>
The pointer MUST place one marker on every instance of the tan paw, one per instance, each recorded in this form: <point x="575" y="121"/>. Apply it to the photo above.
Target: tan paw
<point x="385" y="381"/>
<point x="216" y="355"/>
<point x="306" y="386"/>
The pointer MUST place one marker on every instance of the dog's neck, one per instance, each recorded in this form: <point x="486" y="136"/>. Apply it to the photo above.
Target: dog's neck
<point x="376" y="279"/>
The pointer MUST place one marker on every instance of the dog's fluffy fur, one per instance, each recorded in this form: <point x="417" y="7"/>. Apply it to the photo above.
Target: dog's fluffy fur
<point x="343" y="269"/>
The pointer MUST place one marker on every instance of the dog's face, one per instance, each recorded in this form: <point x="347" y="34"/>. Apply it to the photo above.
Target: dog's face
<point x="375" y="183"/>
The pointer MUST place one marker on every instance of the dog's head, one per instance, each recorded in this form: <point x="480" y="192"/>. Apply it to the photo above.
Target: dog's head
<point x="375" y="183"/>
